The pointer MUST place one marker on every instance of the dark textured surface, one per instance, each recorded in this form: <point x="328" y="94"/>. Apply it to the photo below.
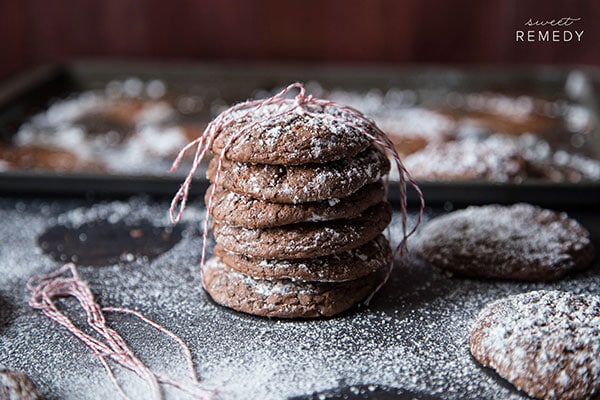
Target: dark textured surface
<point x="359" y="392"/>
<point x="99" y="243"/>
<point x="413" y="338"/>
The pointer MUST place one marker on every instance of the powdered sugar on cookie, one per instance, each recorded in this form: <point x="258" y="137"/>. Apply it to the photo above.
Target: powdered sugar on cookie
<point x="547" y="343"/>
<point x="302" y="183"/>
<point x="493" y="159"/>
<point x="291" y="137"/>
<point x="517" y="242"/>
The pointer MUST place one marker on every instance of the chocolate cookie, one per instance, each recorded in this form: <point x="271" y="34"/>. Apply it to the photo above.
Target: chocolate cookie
<point x="306" y="239"/>
<point x="495" y="159"/>
<point x="302" y="183"/>
<point x="236" y="209"/>
<point x="521" y="242"/>
<point x="411" y="129"/>
<point x="345" y="266"/>
<point x="17" y="386"/>
<point x="292" y="138"/>
<point x="283" y="298"/>
<point x="45" y="158"/>
<point x="546" y="343"/>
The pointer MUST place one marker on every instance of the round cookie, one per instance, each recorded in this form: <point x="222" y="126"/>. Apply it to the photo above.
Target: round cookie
<point x="302" y="183"/>
<point x="497" y="112"/>
<point x="307" y="239"/>
<point x="294" y="138"/>
<point x="412" y="129"/>
<point x="546" y="343"/>
<point x="345" y="266"/>
<point x="239" y="210"/>
<point x="496" y="159"/>
<point x="17" y="386"/>
<point x="522" y="242"/>
<point x="29" y="157"/>
<point x="283" y="298"/>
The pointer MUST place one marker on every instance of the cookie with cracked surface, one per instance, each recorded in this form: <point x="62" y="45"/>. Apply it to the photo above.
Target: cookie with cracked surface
<point x="345" y="266"/>
<point x="17" y="386"/>
<point x="239" y="210"/>
<point x="521" y="242"/>
<point x="412" y="129"/>
<point x="269" y="135"/>
<point x="546" y="343"/>
<point x="284" y="298"/>
<point x="305" y="239"/>
<point x="496" y="159"/>
<point x="302" y="183"/>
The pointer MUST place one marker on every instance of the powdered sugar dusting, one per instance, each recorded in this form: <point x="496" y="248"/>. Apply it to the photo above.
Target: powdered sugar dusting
<point x="548" y="342"/>
<point x="296" y="184"/>
<point x="518" y="241"/>
<point x="414" y="335"/>
<point x="128" y="120"/>
<point x="273" y="130"/>
<point x="417" y="122"/>
<point x="492" y="158"/>
<point x="315" y="132"/>
<point x="420" y="122"/>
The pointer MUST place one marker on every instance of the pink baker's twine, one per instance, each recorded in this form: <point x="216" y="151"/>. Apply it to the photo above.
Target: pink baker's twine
<point x="45" y="289"/>
<point x="227" y="118"/>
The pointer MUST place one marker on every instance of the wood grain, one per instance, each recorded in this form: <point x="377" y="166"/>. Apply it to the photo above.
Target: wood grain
<point x="388" y="31"/>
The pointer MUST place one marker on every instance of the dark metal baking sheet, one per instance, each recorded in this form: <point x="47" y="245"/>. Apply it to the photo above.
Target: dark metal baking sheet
<point x="32" y="91"/>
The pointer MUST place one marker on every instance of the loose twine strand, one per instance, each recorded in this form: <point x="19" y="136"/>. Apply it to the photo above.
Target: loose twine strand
<point x="299" y="104"/>
<point x="45" y="289"/>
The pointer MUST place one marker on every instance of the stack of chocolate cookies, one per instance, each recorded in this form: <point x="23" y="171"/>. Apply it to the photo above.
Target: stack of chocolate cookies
<point x="298" y="210"/>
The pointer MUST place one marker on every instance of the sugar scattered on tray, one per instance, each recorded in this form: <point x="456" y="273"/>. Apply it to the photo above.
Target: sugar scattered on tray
<point x="144" y="139"/>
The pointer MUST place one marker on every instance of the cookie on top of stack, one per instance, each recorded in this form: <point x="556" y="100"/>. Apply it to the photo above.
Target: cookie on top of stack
<point x="298" y="208"/>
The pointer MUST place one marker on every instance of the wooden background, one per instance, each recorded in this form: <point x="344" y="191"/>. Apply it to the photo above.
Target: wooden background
<point x="383" y="31"/>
